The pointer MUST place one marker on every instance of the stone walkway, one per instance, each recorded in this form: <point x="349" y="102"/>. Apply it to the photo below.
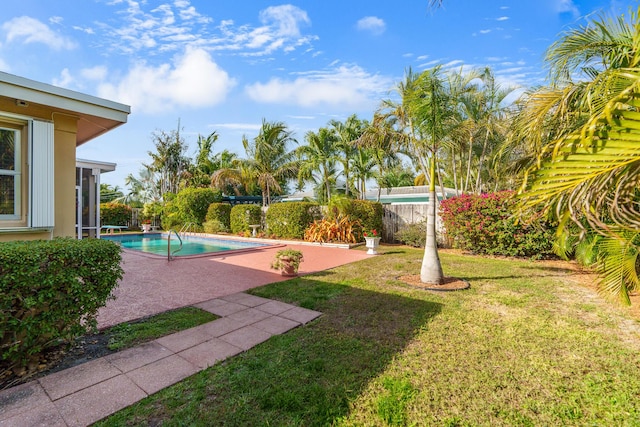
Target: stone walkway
<point x="84" y="394"/>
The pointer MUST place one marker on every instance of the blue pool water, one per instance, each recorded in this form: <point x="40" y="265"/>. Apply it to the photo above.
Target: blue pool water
<point x="156" y="243"/>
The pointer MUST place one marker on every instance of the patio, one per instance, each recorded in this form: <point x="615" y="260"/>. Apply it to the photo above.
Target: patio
<point x="151" y="285"/>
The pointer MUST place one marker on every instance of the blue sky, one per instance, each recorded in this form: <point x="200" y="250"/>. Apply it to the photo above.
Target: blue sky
<point x="226" y="65"/>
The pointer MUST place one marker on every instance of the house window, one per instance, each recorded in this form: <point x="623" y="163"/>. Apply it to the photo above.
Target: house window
<point x="12" y="181"/>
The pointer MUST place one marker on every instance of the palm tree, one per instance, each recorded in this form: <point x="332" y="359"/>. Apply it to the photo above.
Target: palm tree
<point x="318" y="160"/>
<point x="363" y="167"/>
<point x="347" y="134"/>
<point x="269" y="162"/>
<point x="588" y="129"/>
<point x="417" y="125"/>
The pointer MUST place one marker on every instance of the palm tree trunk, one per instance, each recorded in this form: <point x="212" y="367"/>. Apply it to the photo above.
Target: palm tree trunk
<point x="480" y="163"/>
<point x="466" y="184"/>
<point x="431" y="270"/>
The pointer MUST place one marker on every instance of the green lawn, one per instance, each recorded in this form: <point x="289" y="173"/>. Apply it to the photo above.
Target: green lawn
<point x="524" y="346"/>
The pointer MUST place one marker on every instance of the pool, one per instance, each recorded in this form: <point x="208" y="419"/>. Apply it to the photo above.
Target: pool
<point x="156" y="244"/>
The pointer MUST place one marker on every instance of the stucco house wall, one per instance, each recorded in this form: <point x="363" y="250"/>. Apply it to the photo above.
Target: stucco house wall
<point x="74" y="119"/>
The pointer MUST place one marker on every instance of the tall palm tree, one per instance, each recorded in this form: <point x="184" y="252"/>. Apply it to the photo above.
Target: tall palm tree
<point x="364" y="168"/>
<point x="269" y="161"/>
<point x="417" y="125"/>
<point x="588" y="128"/>
<point x="347" y="134"/>
<point x="318" y="160"/>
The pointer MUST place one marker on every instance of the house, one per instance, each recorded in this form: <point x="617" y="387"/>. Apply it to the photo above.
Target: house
<point x="40" y="128"/>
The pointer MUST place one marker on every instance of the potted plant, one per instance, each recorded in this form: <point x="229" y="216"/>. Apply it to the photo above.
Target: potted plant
<point x="287" y="261"/>
<point x="372" y="241"/>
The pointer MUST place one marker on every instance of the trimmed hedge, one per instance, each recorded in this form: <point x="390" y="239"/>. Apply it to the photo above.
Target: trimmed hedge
<point x="483" y="224"/>
<point x="241" y="220"/>
<point x="193" y="203"/>
<point x="50" y="292"/>
<point x="220" y="212"/>
<point x="113" y="213"/>
<point x="289" y="220"/>
<point x="368" y="213"/>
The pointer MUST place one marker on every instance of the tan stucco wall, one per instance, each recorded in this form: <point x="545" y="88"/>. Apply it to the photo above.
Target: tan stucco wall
<point x="65" y="128"/>
<point x="65" y="172"/>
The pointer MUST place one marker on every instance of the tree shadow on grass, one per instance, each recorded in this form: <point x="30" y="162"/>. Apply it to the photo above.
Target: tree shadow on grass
<point x="307" y="376"/>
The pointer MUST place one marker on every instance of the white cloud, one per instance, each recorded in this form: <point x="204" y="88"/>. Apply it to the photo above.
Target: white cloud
<point x="485" y="31"/>
<point x="30" y="30"/>
<point x="65" y="80"/>
<point x="286" y="18"/>
<point x="97" y="73"/>
<point x="174" y="26"/>
<point x="567" y="6"/>
<point x="372" y="24"/>
<point x="4" y="66"/>
<point x="193" y="80"/>
<point x="347" y="86"/>
<point x="503" y="18"/>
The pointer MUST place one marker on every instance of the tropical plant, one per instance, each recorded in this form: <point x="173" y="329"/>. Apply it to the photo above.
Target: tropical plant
<point x="337" y="229"/>
<point x="169" y="160"/>
<point x="318" y="160"/>
<point x="269" y="162"/>
<point x="347" y="134"/>
<point x="418" y="125"/>
<point x="588" y="128"/>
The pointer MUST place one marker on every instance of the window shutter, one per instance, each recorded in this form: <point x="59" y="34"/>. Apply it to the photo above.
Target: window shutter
<point x="42" y="177"/>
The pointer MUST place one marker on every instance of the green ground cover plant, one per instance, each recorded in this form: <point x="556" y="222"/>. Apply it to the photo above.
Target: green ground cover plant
<point x="526" y="345"/>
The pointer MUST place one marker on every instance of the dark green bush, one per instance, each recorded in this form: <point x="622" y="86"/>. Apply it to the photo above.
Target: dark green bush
<point x="289" y="220"/>
<point x="50" y="292"/>
<point x="484" y="224"/>
<point x="368" y="213"/>
<point x="220" y="212"/>
<point x="192" y="204"/>
<point x="413" y="234"/>
<point x="113" y="213"/>
<point x="242" y="216"/>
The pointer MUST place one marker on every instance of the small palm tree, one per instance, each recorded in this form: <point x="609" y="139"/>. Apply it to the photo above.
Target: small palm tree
<point x="318" y="160"/>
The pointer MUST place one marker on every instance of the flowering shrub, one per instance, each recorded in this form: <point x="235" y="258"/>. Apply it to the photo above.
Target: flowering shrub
<point x="483" y="224"/>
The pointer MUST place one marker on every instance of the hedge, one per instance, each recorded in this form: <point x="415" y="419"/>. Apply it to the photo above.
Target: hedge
<point x="368" y="213"/>
<point x="193" y="203"/>
<point x="50" y="292"/>
<point x="289" y="220"/>
<point x="113" y="213"/>
<point x="218" y="218"/>
<point x="483" y="224"/>
<point x="242" y="216"/>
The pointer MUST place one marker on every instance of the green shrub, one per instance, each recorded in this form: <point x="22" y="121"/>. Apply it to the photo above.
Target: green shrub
<point x="50" y="292"/>
<point x="113" y="213"/>
<point x="289" y="220"/>
<point x="413" y="234"/>
<point x="192" y="204"/>
<point x="368" y="213"/>
<point x="242" y="216"/>
<point x="484" y="224"/>
<point x="214" y="226"/>
<point x="220" y="212"/>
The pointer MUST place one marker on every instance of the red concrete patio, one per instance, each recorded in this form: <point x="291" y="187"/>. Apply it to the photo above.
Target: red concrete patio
<point x="153" y="285"/>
